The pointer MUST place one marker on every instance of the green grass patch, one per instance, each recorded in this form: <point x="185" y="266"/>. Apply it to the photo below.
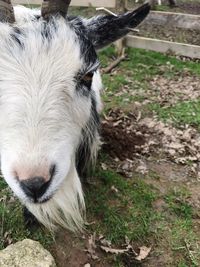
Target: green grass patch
<point x="12" y="228"/>
<point x="185" y="243"/>
<point x="163" y="8"/>
<point x="182" y="237"/>
<point x="145" y="63"/>
<point x="187" y="112"/>
<point x="177" y="201"/>
<point x="128" y="212"/>
<point x="132" y="77"/>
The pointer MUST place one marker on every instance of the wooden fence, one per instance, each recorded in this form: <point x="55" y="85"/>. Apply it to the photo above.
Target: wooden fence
<point x="94" y="3"/>
<point x="185" y="21"/>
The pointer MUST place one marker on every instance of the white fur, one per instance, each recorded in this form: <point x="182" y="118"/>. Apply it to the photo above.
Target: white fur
<point x="66" y="208"/>
<point x="23" y="14"/>
<point x="42" y="116"/>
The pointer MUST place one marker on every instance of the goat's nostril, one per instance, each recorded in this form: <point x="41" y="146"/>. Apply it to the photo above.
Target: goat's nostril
<point x="35" y="187"/>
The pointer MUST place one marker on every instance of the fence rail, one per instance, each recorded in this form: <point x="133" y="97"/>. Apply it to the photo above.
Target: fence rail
<point x="180" y="49"/>
<point x="180" y="20"/>
<point x="94" y="3"/>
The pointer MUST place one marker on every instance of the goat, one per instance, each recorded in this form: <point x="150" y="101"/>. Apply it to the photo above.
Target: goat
<point x="50" y="103"/>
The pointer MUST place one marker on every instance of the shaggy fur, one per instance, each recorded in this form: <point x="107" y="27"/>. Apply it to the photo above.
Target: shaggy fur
<point x="43" y="111"/>
<point x="49" y="112"/>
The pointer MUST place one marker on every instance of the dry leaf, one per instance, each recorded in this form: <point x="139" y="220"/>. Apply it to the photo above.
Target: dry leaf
<point x="142" y="168"/>
<point x="104" y="166"/>
<point x="144" y="252"/>
<point x="139" y="116"/>
<point x="92" y="247"/>
<point x="114" y="189"/>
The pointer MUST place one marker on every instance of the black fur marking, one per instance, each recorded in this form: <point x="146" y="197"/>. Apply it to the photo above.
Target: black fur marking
<point x="95" y="114"/>
<point x="16" y="36"/>
<point x="48" y="29"/>
<point x="29" y="219"/>
<point x="83" y="154"/>
<point x="87" y="50"/>
<point x="82" y="89"/>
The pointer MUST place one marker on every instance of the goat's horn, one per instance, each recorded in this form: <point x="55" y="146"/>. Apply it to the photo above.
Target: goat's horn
<point x="6" y="11"/>
<point x="52" y="7"/>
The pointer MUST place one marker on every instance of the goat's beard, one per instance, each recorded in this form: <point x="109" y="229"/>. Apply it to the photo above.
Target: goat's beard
<point x="66" y="208"/>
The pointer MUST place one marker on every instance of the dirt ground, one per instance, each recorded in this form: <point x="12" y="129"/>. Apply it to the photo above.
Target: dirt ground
<point x="138" y="144"/>
<point x="163" y="155"/>
<point x="153" y="166"/>
<point x="189" y="6"/>
<point x="172" y="34"/>
<point x="125" y="140"/>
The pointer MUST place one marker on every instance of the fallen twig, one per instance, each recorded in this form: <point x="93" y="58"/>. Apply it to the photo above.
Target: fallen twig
<point x="114" y="63"/>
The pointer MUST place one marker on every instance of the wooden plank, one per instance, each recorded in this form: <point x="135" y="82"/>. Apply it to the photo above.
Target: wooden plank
<point x="192" y="51"/>
<point x="94" y="3"/>
<point x="170" y="19"/>
<point x="27" y="2"/>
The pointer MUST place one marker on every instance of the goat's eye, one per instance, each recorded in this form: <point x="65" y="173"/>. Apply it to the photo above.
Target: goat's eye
<point x="87" y="79"/>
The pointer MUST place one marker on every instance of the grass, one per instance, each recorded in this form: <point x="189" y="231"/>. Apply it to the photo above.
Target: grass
<point x="145" y="63"/>
<point x="130" y="210"/>
<point x="132" y="80"/>
<point x="130" y="213"/>
<point x="186" y="112"/>
<point x="177" y="201"/>
<point x="11" y="221"/>
<point x="163" y="8"/>
<point x="184" y="240"/>
<point x="126" y="213"/>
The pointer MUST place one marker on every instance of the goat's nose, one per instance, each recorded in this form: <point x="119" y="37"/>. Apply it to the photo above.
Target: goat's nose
<point x="35" y="187"/>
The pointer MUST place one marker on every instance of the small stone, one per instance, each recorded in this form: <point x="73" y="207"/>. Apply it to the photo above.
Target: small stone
<point x="26" y="253"/>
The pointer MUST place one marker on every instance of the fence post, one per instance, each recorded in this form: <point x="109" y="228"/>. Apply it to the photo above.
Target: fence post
<point x="121" y="5"/>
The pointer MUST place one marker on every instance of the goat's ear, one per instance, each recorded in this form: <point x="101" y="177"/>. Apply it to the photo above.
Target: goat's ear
<point x="103" y="30"/>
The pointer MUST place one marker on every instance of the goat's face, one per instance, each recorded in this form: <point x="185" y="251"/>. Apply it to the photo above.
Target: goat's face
<point x="46" y="100"/>
<point x="49" y="105"/>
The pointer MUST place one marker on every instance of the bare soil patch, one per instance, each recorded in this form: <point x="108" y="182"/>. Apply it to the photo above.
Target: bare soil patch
<point x="189" y="7"/>
<point x="156" y="151"/>
<point x="119" y="136"/>
<point x="78" y="251"/>
<point x="172" y="34"/>
<point x="129" y="137"/>
<point x="68" y="250"/>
